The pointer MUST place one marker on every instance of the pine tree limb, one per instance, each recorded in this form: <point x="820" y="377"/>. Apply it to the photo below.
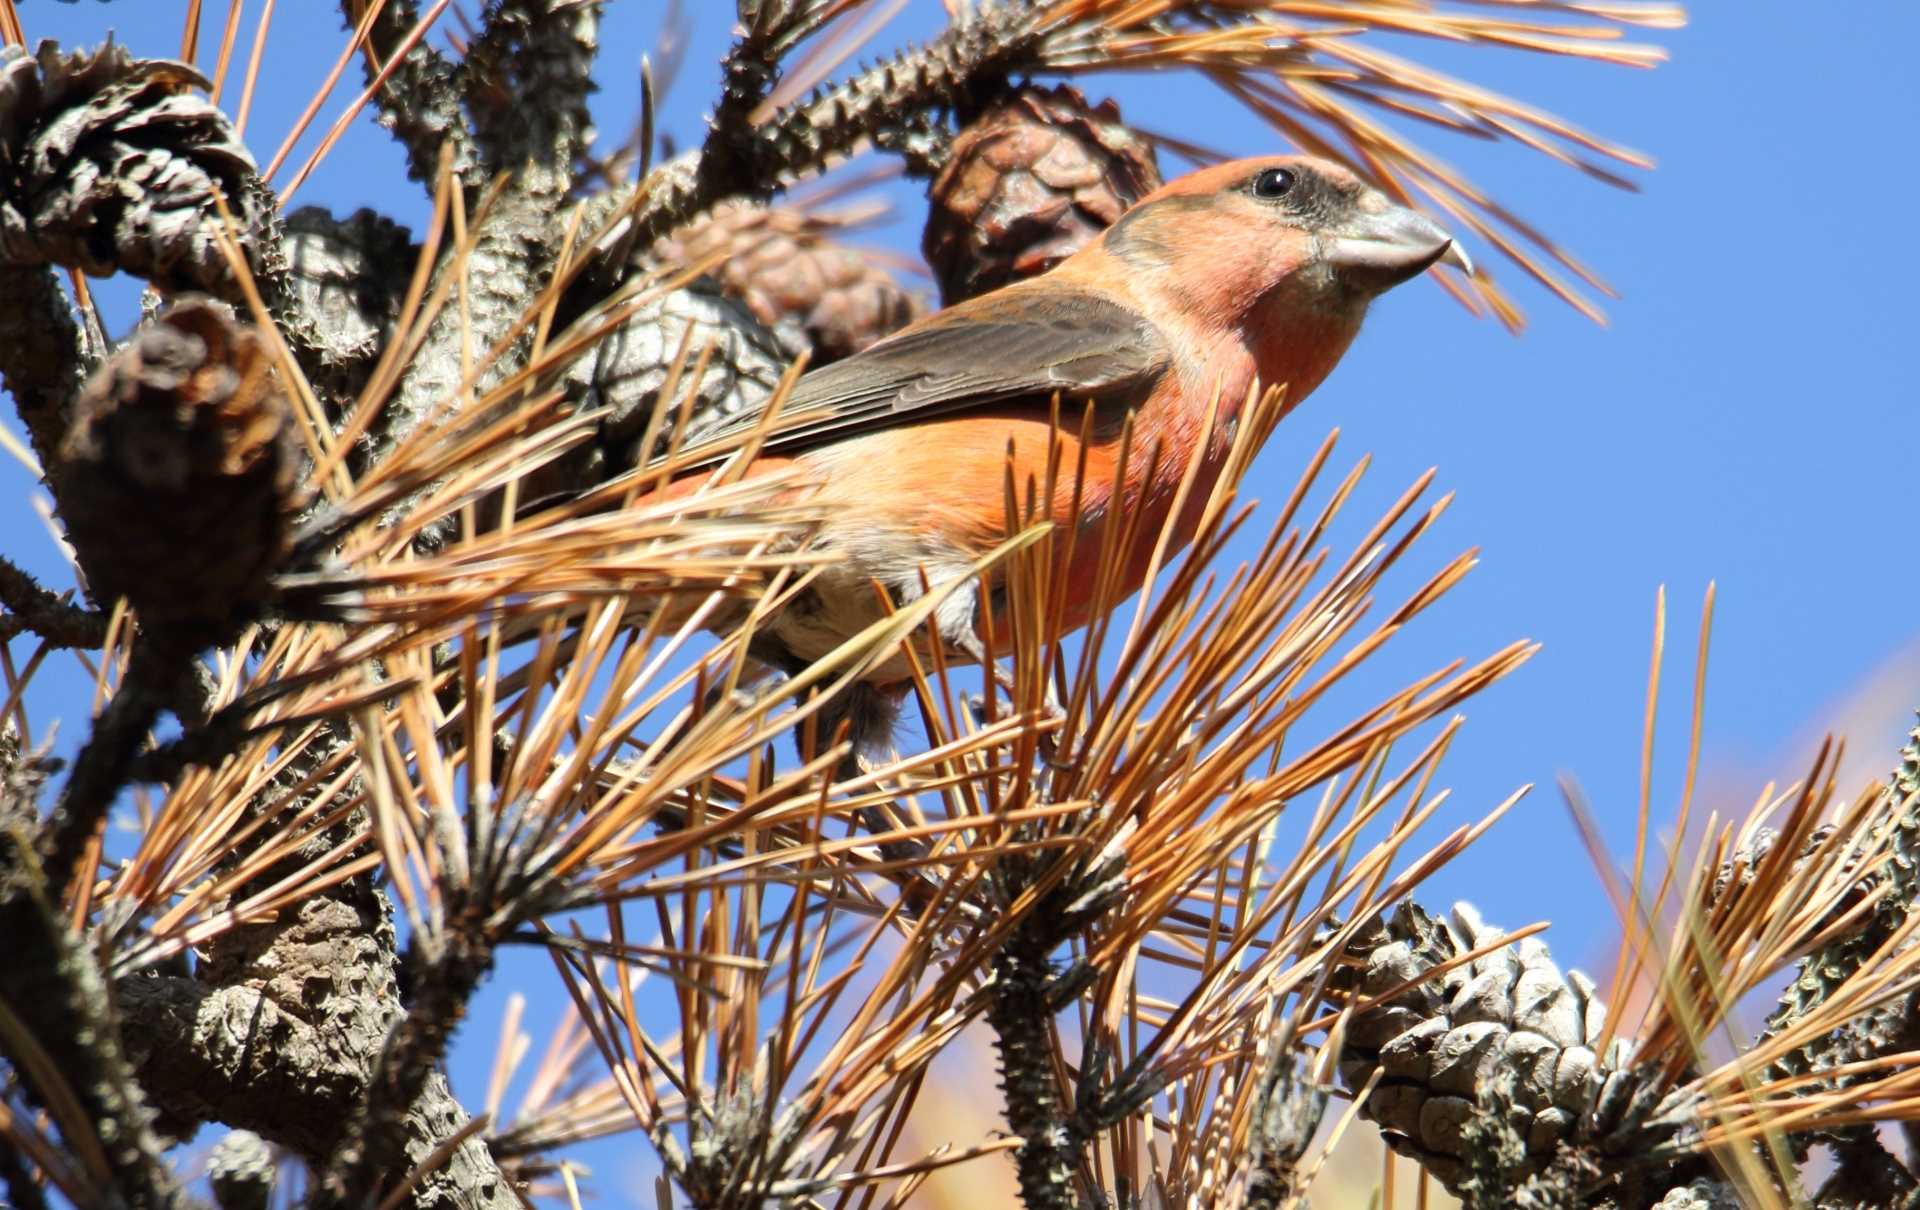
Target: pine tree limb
<point x="1824" y="971"/>
<point x="281" y="1028"/>
<point x="420" y="102"/>
<point x="888" y="103"/>
<point x="374" y="1144"/>
<point x="106" y="761"/>
<point x="51" y="987"/>
<point x="515" y="243"/>
<point x="35" y="610"/>
<point x="43" y="359"/>
<point x="526" y="80"/>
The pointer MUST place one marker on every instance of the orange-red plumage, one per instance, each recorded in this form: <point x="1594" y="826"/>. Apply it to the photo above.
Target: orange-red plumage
<point x="1254" y="271"/>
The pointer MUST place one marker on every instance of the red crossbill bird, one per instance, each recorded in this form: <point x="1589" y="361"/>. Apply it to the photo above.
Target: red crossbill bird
<point x="1254" y="271"/>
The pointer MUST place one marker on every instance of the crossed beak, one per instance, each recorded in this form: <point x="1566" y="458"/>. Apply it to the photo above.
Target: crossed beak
<point x="1386" y="244"/>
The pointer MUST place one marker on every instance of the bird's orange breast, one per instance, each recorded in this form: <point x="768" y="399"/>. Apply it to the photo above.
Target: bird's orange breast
<point x="947" y="483"/>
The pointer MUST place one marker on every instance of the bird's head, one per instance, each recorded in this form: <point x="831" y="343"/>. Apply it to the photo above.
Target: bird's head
<point x="1279" y="255"/>
<point x="1246" y="233"/>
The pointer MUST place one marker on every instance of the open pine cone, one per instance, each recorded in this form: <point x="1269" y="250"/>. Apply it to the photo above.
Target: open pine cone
<point x="815" y="293"/>
<point x="1031" y="181"/>
<point x="178" y="474"/>
<point x="112" y="164"/>
<point x="1505" y="1042"/>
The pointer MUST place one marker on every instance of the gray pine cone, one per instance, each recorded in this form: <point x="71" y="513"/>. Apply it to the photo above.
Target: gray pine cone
<point x="1505" y="1034"/>
<point x="625" y="373"/>
<point x="635" y="362"/>
<point x="349" y="276"/>
<point x="241" y="1170"/>
<point x="1700" y="1195"/>
<point x="110" y="163"/>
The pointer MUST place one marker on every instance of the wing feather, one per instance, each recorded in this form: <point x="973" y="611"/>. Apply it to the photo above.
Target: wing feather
<point x="1016" y="344"/>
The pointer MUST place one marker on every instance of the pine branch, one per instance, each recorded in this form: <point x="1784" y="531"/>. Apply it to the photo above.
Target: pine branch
<point x="105" y="763"/>
<point x="36" y="610"/>
<point x="43" y="357"/>
<point x="420" y="101"/>
<point x="1823" y="972"/>
<point x="545" y="49"/>
<point x="56" y="1002"/>
<point x="526" y="80"/>
<point x="374" y="1144"/>
<point x="1287" y="1112"/>
<point x="282" y="1026"/>
<point x="888" y="103"/>
<point x="1021" y="1014"/>
<point x="234" y="1053"/>
<point x="1059" y="898"/>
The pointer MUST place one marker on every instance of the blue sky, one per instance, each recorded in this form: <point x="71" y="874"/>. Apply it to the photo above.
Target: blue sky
<point x="1747" y="415"/>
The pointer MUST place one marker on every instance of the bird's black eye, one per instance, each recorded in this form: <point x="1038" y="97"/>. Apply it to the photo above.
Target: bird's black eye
<point x="1272" y="183"/>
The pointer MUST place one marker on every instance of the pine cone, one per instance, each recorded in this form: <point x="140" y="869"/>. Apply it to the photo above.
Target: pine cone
<point x="1030" y="182"/>
<point x="109" y="163"/>
<point x="816" y="294"/>
<point x="634" y="363"/>
<point x="177" y="477"/>
<point x="350" y="276"/>
<point x="241" y="1170"/>
<point x="1506" y="1030"/>
<point x="1700" y="1195"/>
<point x="627" y="370"/>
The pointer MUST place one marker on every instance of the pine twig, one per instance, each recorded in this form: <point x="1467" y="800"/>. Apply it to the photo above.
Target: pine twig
<point x="1026" y="992"/>
<point x="526" y="80"/>
<point x="43" y="363"/>
<point x="1823" y="972"/>
<point x="54" y="999"/>
<point x="107" y="760"/>
<point x="1021" y="1014"/>
<point x="887" y="103"/>
<point x="420" y="101"/>
<point x="36" y="610"/>
<point x="1288" y="1112"/>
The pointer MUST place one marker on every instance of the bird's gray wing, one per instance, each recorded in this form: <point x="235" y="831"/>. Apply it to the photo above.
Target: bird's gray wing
<point x="1011" y="345"/>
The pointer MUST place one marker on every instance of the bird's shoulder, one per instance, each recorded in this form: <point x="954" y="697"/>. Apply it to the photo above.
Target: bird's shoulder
<point x="1028" y="341"/>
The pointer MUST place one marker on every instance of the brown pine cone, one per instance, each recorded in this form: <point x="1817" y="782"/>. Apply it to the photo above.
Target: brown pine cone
<point x="110" y="163"/>
<point x="814" y="293"/>
<point x="177" y="477"/>
<point x="1031" y="181"/>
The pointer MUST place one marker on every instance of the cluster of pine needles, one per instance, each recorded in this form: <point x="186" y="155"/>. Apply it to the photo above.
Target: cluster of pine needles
<point x="1318" y="72"/>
